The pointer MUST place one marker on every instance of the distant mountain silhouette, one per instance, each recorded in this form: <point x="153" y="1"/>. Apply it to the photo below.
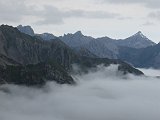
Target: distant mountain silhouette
<point x="105" y="47"/>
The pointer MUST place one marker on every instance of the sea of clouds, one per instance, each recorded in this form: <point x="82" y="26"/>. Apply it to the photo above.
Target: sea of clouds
<point x="100" y="95"/>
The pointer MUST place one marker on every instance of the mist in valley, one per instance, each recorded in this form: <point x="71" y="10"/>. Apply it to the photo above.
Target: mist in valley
<point x="105" y="94"/>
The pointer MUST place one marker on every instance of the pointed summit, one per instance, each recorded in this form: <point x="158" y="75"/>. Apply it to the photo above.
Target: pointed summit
<point x="140" y="34"/>
<point x="78" y="33"/>
<point x="26" y="29"/>
<point x="137" y="40"/>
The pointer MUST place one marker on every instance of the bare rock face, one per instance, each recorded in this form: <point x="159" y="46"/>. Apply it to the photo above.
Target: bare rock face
<point x="137" y="40"/>
<point x="31" y="60"/>
<point x="34" y="75"/>
<point x="106" y="47"/>
<point x="148" y="57"/>
<point x="7" y="61"/>
<point x="27" y="60"/>
<point x="46" y="36"/>
<point x="29" y="50"/>
<point x="26" y="29"/>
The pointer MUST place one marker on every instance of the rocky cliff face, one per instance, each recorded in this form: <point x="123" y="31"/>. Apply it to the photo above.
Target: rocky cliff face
<point x="137" y="40"/>
<point x="144" y="57"/>
<point x="106" y="47"/>
<point x="34" y="75"/>
<point x="76" y="40"/>
<point x="29" y="50"/>
<point x="18" y="50"/>
<point x="46" y="36"/>
<point x="26" y="29"/>
<point x="7" y="61"/>
<point x="28" y="60"/>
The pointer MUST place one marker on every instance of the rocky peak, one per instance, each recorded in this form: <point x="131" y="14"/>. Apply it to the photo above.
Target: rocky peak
<point x="31" y="61"/>
<point x="26" y="29"/>
<point x="78" y="33"/>
<point x="46" y="36"/>
<point x="139" y="34"/>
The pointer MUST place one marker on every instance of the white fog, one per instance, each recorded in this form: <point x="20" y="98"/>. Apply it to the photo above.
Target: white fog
<point x="101" y="95"/>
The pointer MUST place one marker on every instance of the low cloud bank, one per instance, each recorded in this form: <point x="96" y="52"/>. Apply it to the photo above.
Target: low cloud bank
<point x="151" y="72"/>
<point x="102" y="95"/>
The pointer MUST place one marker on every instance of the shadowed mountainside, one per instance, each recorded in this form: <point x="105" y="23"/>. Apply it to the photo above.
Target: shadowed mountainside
<point x="29" y="60"/>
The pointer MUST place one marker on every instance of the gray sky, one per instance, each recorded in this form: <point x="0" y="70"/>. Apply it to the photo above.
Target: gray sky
<point x="112" y="18"/>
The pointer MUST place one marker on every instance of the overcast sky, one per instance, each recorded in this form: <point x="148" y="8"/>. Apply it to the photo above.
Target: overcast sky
<point x="112" y="18"/>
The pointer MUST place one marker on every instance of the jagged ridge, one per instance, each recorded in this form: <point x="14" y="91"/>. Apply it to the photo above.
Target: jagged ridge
<point x="35" y="56"/>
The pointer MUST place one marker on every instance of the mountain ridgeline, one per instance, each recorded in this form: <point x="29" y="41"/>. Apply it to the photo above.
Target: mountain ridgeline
<point x="106" y="47"/>
<point x="148" y="57"/>
<point x="136" y="50"/>
<point x="31" y="60"/>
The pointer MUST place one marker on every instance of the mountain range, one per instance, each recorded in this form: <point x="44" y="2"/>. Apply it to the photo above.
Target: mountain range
<point x="106" y="47"/>
<point x="32" y="60"/>
<point x="136" y="50"/>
